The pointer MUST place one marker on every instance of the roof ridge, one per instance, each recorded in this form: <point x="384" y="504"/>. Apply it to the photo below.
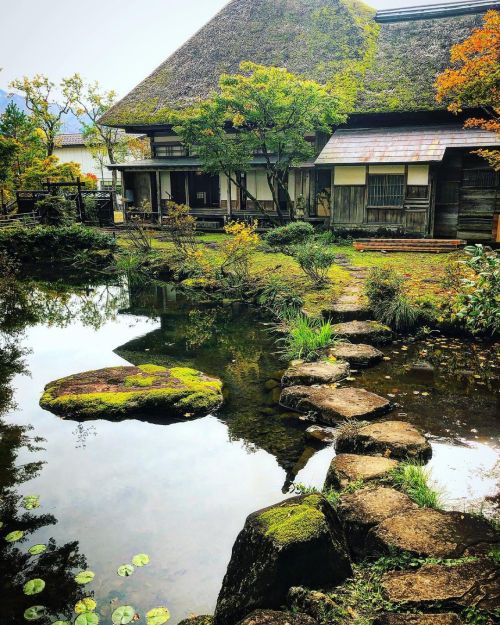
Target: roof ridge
<point x="436" y="10"/>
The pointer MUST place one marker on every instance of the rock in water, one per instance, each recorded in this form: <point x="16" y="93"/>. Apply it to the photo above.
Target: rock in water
<point x="117" y="392"/>
<point x="463" y="585"/>
<point x="321" y="433"/>
<point x="363" y="332"/>
<point x="333" y="405"/>
<point x="296" y="542"/>
<point x="366" y="508"/>
<point x="448" y="618"/>
<point x="321" y="372"/>
<point x="433" y="534"/>
<point x="346" y="468"/>
<point x="202" y="619"/>
<point x="275" y="617"/>
<point x="396" y="439"/>
<point x="357" y="355"/>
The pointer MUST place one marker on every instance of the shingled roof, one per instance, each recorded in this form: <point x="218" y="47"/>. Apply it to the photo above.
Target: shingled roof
<point x="314" y="38"/>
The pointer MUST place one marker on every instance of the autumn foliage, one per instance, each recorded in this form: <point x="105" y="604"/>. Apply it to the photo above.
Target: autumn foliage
<point x="473" y="80"/>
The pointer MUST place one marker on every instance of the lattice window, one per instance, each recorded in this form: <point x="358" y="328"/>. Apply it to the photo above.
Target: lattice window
<point x="481" y="178"/>
<point x="165" y="151"/>
<point x="386" y="189"/>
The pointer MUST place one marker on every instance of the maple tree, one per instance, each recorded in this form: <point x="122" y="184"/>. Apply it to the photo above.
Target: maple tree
<point x="473" y="80"/>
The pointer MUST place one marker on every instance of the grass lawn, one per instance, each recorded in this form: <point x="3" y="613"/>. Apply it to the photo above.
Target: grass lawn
<point x="424" y="272"/>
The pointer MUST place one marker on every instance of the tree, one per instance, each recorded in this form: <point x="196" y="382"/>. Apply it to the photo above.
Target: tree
<point x="263" y="110"/>
<point x="8" y="152"/>
<point x="41" y="169"/>
<point x="474" y="79"/>
<point x="107" y="145"/>
<point x="46" y="114"/>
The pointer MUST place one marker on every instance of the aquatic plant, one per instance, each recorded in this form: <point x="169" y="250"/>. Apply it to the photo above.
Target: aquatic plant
<point x="413" y="479"/>
<point x="276" y="296"/>
<point x="304" y="337"/>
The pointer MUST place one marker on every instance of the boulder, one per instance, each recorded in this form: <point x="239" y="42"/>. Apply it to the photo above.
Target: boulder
<point x="357" y="355"/>
<point x="202" y="619"/>
<point x="321" y="433"/>
<point x="333" y="405"/>
<point x="346" y="468"/>
<point x="117" y="392"/>
<point x="363" y="331"/>
<point x="395" y="439"/>
<point x="275" y="617"/>
<point x="462" y="585"/>
<point x="449" y="618"/>
<point x="362" y="510"/>
<point x="296" y="542"/>
<point x="321" y="372"/>
<point x="433" y="534"/>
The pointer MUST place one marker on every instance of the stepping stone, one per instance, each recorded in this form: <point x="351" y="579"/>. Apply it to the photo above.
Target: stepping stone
<point x="321" y="433"/>
<point x="449" y="618"/>
<point x="395" y="439"/>
<point x="333" y="405"/>
<point x="347" y="468"/>
<point x="202" y="619"/>
<point x="347" y="311"/>
<point x="275" y="617"/>
<point x="321" y="372"/>
<point x="468" y="584"/>
<point x="363" y="331"/>
<point x="362" y="510"/>
<point x="357" y="355"/>
<point x="433" y="534"/>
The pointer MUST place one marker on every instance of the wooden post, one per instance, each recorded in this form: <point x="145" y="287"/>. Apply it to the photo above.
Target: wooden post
<point x="158" y="195"/>
<point x="79" y="200"/>
<point x="229" y="207"/>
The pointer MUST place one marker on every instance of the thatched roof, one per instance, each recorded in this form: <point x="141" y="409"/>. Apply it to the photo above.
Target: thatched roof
<point x="315" y="38"/>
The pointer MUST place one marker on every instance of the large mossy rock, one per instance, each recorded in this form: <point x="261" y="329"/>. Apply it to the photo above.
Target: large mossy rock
<point x="396" y="439"/>
<point x="433" y="534"/>
<point x="296" y="542"/>
<point x="461" y="585"/>
<point x="347" y="468"/>
<point x="276" y="617"/>
<point x="333" y="405"/>
<point x="363" y="332"/>
<point x="321" y="372"/>
<point x="117" y="392"/>
<point x="364" y="509"/>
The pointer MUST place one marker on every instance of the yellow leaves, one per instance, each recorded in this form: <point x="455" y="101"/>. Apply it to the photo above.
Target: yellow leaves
<point x="238" y="120"/>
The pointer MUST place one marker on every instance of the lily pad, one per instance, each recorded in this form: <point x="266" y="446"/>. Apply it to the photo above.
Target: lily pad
<point x="14" y="536"/>
<point x="123" y="615"/>
<point x="141" y="559"/>
<point x="84" y="577"/>
<point x="88" y="618"/>
<point x="33" y="586"/>
<point x="157" y="616"/>
<point x="31" y="501"/>
<point x="87" y="604"/>
<point x="125" y="570"/>
<point x="37" y="549"/>
<point x="34" y="613"/>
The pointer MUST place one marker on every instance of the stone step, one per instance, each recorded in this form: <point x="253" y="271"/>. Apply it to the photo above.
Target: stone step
<point x="394" y="439"/>
<point x="363" y="331"/>
<point x="463" y="585"/>
<point x="448" y="618"/>
<point x="321" y="372"/>
<point x="348" y="311"/>
<point x="347" y="468"/>
<point x="357" y="355"/>
<point x="333" y="405"/>
<point x="433" y="534"/>
<point x="277" y="617"/>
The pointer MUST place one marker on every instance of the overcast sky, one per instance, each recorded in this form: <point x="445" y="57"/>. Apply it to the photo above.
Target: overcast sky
<point x="117" y="42"/>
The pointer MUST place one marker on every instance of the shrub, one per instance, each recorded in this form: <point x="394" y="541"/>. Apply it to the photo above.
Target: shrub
<point x="292" y="233"/>
<point x="277" y="296"/>
<point x="314" y="259"/>
<point x="56" y="210"/>
<point x="181" y="226"/>
<point x="388" y="301"/>
<point x="413" y="479"/>
<point x="305" y="337"/>
<point x="477" y="304"/>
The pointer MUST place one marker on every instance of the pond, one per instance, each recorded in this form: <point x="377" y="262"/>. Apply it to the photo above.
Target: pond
<point x="180" y="491"/>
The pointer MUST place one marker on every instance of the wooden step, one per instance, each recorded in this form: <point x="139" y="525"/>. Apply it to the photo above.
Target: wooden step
<point x="409" y="245"/>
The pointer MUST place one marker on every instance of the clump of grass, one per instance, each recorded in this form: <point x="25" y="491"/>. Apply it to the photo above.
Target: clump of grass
<point x="330" y="494"/>
<point x="413" y="479"/>
<point x="304" y="337"/>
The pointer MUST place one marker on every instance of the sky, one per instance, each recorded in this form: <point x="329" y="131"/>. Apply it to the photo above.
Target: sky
<point x="117" y="42"/>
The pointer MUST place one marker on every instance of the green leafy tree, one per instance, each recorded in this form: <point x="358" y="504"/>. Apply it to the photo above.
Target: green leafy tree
<point x="262" y="110"/>
<point x="8" y="153"/>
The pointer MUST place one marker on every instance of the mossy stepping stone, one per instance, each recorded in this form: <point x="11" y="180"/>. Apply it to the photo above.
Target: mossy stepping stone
<point x="358" y="355"/>
<point x="117" y="392"/>
<point x="321" y="372"/>
<point x="347" y="468"/>
<point x="363" y="331"/>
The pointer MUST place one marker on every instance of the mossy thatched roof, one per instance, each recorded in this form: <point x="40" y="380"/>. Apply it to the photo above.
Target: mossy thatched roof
<point x="315" y="38"/>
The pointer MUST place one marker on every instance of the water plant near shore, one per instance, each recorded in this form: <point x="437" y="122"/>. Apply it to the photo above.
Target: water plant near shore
<point x="413" y="479"/>
<point x="304" y="337"/>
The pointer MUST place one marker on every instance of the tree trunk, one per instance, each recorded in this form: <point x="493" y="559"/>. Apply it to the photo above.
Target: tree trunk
<point x="114" y="176"/>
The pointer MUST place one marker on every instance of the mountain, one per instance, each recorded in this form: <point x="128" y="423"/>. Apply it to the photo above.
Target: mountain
<point x="71" y="123"/>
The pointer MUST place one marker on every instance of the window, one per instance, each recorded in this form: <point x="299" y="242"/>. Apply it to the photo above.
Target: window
<point x="386" y="189"/>
<point x="482" y="178"/>
<point x="169" y="150"/>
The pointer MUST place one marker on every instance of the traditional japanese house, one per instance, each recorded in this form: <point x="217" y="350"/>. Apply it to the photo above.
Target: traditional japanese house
<point x="402" y="162"/>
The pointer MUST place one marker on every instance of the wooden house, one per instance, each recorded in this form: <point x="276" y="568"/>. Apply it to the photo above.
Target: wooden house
<point x="401" y="162"/>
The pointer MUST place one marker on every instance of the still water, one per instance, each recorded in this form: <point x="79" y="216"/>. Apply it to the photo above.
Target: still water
<point x="180" y="491"/>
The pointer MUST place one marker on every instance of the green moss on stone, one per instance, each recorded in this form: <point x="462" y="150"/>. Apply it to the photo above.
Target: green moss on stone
<point x="152" y="368"/>
<point x="296" y="522"/>
<point x="139" y="380"/>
